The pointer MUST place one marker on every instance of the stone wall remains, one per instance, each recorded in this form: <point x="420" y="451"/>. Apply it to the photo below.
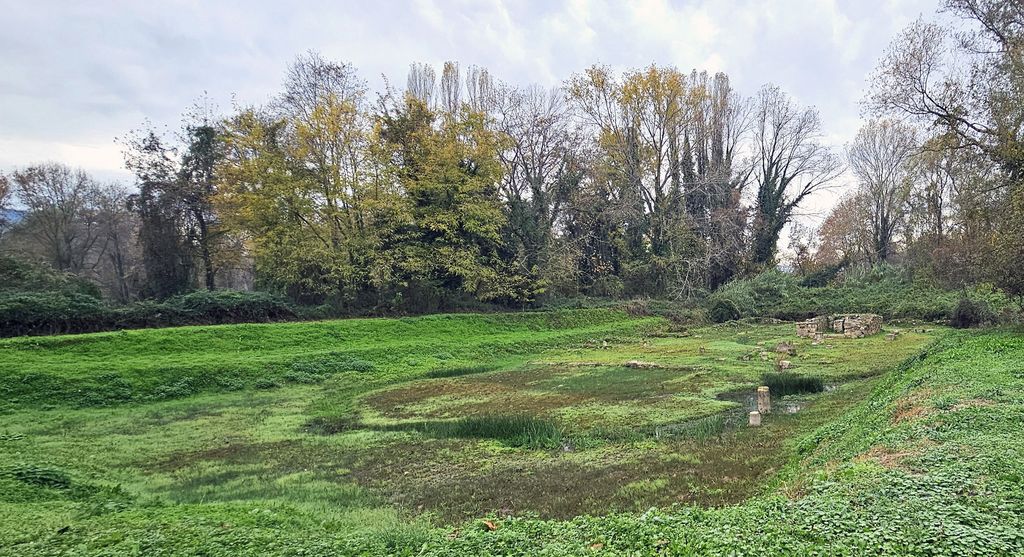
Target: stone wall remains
<point x="849" y="325"/>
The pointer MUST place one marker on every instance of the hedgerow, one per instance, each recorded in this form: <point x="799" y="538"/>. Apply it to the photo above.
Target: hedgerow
<point x="61" y="312"/>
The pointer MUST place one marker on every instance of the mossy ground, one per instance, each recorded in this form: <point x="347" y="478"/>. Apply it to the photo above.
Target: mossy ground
<point x="371" y="461"/>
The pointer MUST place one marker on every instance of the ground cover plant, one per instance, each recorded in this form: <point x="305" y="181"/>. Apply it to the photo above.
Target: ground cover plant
<point x="587" y="412"/>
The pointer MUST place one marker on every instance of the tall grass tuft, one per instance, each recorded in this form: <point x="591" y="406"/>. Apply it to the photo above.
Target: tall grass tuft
<point x="515" y="430"/>
<point x="782" y="384"/>
<point x="460" y="371"/>
<point x="703" y="429"/>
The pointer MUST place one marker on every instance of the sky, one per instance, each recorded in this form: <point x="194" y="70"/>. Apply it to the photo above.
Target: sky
<point x="74" y="75"/>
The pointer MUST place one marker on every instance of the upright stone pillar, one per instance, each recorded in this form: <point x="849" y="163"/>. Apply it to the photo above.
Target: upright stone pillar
<point x="764" y="400"/>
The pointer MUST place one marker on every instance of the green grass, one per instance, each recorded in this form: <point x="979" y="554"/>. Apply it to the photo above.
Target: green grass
<point x="515" y="431"/>
<point x="703" y="429"/>
<point x="460" y="371"/>
<point x="544" y="424"/>
<point x="148" y="365"/>
<point x="783" y="384"/>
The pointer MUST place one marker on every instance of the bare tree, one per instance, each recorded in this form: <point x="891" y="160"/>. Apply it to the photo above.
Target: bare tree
<point x="713" y="176"/>
<point x="480" y="89"/>
<point x="421" y="83"/>
<point x="539" y="163"/>
<point x="881" y="157"/>
<point x="313" y="80"/>
<point x="791" y="164"/>
<point x="451" y="88"/>
<point x="60" y="203"/>
<point x="119" y="267"/>
<point x="967" y="82"/>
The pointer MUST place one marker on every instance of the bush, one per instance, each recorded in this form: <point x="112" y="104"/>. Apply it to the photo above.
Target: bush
<point x="61" y="312"/>
<point x="884" y="290"/>
<point x="723" y="310"/>
<point x="823" y="276"/>
<point x="47" y="313"/>
<point x="231" y="306"/>
<point x="970" y="313"/>
<point x="609" y="286"/>
<point x="21" y="276"/>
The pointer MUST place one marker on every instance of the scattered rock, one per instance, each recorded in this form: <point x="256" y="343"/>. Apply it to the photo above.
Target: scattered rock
<point x="784" y="364"/>
<point x="785" y="348"/>
<point x="637" y="364"/>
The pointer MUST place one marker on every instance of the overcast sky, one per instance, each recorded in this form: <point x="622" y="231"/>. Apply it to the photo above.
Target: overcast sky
<point x="74" y="75"/>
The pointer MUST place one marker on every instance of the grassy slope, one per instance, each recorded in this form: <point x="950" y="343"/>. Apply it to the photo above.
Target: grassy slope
<point x="159" y="364"/>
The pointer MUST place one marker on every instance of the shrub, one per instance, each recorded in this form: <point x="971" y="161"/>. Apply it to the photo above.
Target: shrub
<point x="637" y="307"/>
<point x="61" y="312"/>
<point x="823" y="276"/>
<point x="19" y="275"/>
<point x="609" y="286"/>
<point x="885" y="290"/>
<point x="47" y="313"/>
<point x="722" y="310"/>
<point x="230" y="306"/>
<point x="970" y="313"/>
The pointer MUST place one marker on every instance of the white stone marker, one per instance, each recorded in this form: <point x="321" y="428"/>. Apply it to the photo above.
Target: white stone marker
<point x="755" y="419"/>
<point x="764" y="400"/>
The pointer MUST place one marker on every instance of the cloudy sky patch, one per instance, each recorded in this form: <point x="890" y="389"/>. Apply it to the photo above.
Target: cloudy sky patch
<point x="76" y="75"/>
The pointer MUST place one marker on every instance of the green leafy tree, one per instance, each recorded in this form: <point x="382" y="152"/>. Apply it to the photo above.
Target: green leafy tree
<point x="447" y="168"/>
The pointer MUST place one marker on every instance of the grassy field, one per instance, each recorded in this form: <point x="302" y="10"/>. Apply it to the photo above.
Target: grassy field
<point x="506" y="434"/>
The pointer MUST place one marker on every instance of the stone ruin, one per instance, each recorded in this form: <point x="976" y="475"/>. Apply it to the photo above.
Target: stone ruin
<point x="849" y="325"/>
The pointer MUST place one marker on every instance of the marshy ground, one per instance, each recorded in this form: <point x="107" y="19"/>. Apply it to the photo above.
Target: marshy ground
<point x="614" y="414"/>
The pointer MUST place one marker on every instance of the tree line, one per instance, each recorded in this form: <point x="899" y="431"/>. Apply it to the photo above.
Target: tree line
<point x="459" y="187"/>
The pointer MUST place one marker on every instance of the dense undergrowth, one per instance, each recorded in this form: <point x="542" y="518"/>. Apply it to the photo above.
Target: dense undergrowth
<point x="35" y="300"/>
<point x="883" y="290"/>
